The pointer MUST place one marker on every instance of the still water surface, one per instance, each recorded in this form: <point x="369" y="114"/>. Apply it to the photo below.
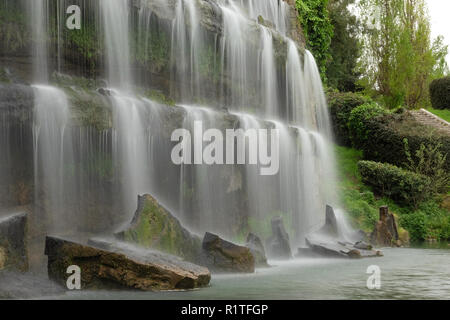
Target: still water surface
<point x="414" y="273"/>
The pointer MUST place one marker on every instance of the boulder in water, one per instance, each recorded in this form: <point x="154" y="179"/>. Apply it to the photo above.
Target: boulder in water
<point x="155" y="227"/>
<point x="385" y="232"/>
<point x="339" y="249"/>
<point x="256" y="247"/>
<point x="115" y="264"/>
<point x="13" y="250"/>
<point x="223" y="256"/>
<point x="278" y="245"/>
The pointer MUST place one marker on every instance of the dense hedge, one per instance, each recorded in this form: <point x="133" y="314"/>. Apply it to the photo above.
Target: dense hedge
<point x="341" y="105"/>
<point x="440" y="93"/>
<point x="398" y="184"/>
<point x="359" y="116"/>
<point x="386" y="135"/>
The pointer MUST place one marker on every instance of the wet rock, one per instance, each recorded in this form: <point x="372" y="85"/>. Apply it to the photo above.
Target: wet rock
<point x="16" y="97"/>
<point x="338" y="249"/>
<point x="114" y="264"/>
<point x="278" y="245"/>
<point x="385" y="232"/>
<point x="363" y="245"/>
<point x="104" y="92"/>
<point x="13" y="249"/>
<point x="256" y="247"/>
<point x="330" y="228"/>
<point x="155" y="227"/>
<point x="223" y="256"/>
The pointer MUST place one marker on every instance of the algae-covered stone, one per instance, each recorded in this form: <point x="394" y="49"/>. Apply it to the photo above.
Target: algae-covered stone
<point x="13" y="250"/>
<point x="153" y="226"/>
<point x="113" y="264"/>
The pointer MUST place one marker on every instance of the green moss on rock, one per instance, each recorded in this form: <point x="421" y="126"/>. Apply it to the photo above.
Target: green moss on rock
<point x="155" y="227"/>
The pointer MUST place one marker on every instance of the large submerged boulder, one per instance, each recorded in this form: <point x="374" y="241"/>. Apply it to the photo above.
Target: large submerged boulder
<point x="256" y="247"/>
<point x="223" y="256"/>
<point x="113" y="264"/>
<point x="155" y="227"/>
<point x="13" y="248"/>
<point x="278" y="245"/>
<point x="385" y="232"/>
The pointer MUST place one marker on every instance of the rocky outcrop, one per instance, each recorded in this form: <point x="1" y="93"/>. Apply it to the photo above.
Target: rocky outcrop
<point x="337" y="249"/>
<point x="385" y="232"/>
<point x="256" y="247"/>
<point x="278" y="245"/>
<point x="223" y="256"/>
<point x="13" y="248"/>
<point x="155" y="227"/>
<point x="112" y="264"/>
<point x="331" y="227"/>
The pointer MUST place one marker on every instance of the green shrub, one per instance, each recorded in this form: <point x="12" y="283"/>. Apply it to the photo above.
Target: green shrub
<point x="428" y="160"/>
<point x="386" y="137"/>
<point x="440" y="93"/>
<point x="341" y="105"/>
<point x="359" y="116"/>
<point x="428" y="222"/>
<point x="403" y="186"/>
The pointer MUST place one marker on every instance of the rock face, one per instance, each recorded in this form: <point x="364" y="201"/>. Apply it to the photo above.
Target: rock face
<point x="330" y="228"/>
<point x="13" y="249"/>
<point x="337" y="249"/>
<point x="155" y="227"/>
<point x="256" y="247"/>
<point x="223" y="256"/>
<point x="107" y="264"/>
<point x="385" y="232"/>
<point x="278" y="245"/>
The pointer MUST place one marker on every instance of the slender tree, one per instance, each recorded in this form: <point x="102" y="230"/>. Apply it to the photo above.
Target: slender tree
<point x="400" y="59"/>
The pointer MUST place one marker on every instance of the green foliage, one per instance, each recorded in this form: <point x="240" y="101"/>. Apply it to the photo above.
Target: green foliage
<point x="359" y="116"/>
<point x="400" y="59"/>
<point x="428" y="160"/>
<point x="440" y="93"/>
<point x="341" y="105"/>
<point x="443" y="114"/>
<point x="428" y="221"/>
<point x="318" y="30"/>
<point x="344" y="49"/>
<point x="404" y="186"/>
<point x="385" y="141"/>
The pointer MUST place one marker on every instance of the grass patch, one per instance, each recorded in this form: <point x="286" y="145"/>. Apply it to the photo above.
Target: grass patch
<point x="444" y="114"/>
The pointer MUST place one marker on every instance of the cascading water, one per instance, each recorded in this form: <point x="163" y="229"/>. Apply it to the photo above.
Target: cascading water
<point x="245" y="72"/>
<point x="53" y="158"/>
<point x="115" y="16"/>
<point x="38" y="26"/>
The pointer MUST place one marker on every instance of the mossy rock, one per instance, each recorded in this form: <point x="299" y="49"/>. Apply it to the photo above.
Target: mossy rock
<point x="155" y="227"/>
<point x="13" y="244"/>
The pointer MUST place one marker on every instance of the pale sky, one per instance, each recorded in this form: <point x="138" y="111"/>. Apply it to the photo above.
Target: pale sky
<point x="440" y="20"/>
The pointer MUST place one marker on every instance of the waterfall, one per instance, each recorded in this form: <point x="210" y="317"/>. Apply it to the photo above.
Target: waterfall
<point x="53" y="158"/>
<point x="115" y="16"/>
<point x="38" y="25"/>
<point x="224" y="66"/>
